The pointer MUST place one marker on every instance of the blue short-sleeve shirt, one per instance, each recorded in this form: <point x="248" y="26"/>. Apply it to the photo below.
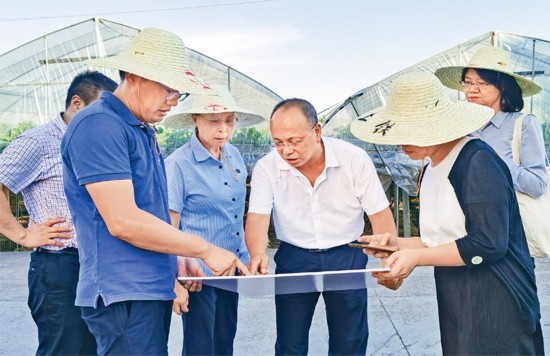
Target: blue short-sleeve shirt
<point x="104" y="142"/>
<point x="209" y="195"/>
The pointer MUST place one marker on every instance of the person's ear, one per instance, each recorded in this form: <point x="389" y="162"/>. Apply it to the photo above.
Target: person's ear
<point x="132" y="78"/>
<point x="77" y="103"/>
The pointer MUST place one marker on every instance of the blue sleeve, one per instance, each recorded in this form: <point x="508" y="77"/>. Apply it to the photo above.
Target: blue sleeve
<point x="484" y="190"/>
<point x="99" y="150"/>
<point x="21" y="163"/>
<point x="176" y="183"/>
<point x="530" y="175"/>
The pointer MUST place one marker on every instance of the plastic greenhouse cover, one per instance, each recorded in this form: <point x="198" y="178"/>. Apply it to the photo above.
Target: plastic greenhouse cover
<point x="34" y="78"/>
<point x="530" y="57"/>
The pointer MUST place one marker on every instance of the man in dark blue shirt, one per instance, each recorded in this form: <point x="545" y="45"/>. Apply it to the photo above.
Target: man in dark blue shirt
<point x="116" y="187"/>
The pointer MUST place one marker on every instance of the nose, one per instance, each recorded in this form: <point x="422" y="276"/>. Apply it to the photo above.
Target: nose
<point x="172" y="102"/>
<point x="288" y="148"/>
<point x="473" y="88"/>
<point x="223" y="127"/>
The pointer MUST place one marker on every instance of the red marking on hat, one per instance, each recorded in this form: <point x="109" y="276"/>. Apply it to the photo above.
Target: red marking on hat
<point x="216" y="107"/>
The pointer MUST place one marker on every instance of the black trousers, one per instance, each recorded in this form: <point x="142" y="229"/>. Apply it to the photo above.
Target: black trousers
<point x="52" y="292"/>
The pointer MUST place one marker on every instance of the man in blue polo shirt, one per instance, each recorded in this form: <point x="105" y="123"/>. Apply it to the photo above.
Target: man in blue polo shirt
<point x="116" y="187"/>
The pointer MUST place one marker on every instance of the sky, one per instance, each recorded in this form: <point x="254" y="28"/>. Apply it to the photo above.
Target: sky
<point x="322" y="51"/>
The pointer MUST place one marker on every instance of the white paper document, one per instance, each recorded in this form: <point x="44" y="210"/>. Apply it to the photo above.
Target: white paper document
<point x="288" y="283"/>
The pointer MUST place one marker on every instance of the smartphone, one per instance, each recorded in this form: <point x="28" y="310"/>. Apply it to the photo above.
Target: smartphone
<point x="388" y="249"/>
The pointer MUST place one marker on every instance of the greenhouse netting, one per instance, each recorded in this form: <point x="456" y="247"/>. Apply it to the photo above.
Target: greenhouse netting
<point x="35" y="76"/>
<point x="530" y="58"/>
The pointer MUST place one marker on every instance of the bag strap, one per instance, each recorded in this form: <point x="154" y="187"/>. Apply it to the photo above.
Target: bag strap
<point x="516" y="138"/>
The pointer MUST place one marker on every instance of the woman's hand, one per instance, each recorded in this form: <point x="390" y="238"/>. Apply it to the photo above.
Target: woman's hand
<point x="384" y="240"/>
<point x="402" y="263"/>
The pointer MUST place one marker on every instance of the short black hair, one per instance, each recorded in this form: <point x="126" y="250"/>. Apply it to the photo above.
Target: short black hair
<point x="305" y="106"/>
<point x="87" y="86"/>
<point x="511" y="99"/>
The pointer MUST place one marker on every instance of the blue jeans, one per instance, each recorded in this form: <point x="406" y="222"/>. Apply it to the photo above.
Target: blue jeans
<point x="130" y="327"/>
<point x="210" y="326"/>
<point x="346" y="310"/>
<point x="52" y="292"/>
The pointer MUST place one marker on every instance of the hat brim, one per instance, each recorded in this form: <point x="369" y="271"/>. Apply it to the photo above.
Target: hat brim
<point x="389" y="128"/>
<point x="184" y="120"/>
<point x="184" y="82"/>
<point x="451" y="77"/>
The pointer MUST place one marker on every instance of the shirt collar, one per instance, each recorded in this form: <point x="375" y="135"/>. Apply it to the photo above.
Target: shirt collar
<point x="200" y="152"/>
<point x="123" y="112"/>
<point x="498" y="119"/>
<point x="330" y="157"/>
<point x="59" y="123"/>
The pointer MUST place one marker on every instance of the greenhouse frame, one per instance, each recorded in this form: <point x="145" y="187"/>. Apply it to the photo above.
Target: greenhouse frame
<point x="34" y="78"/>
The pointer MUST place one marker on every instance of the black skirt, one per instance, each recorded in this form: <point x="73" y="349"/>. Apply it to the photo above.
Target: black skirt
<point x="478" y="315"/>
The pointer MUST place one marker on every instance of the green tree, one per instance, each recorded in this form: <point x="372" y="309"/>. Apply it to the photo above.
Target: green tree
<point x="171" y="139"/>
<point x="8" y="133"/>
<point x="249" y="136"/>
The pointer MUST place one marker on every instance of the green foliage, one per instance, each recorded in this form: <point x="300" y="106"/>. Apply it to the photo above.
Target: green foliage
<point x="8" y="133"/>
<point x="3" y="145"/>
<point x="170" y="139"/>
<point x="249" y="136"/>
<point x="20" y="212"/>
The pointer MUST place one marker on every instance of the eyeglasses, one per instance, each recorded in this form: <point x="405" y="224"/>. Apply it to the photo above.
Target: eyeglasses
<point x="295" y="143"/>
<point x="479" y="85"/>
<point x="229" y="122"/>
<point x="173" y="94"/>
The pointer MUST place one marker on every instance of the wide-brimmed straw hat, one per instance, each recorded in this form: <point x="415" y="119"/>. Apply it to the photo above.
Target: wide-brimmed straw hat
<point x="156" y="55"/>
<point x="218" y="100"/>
<point x="491" y="58"/>
<point x="420" y="112"/>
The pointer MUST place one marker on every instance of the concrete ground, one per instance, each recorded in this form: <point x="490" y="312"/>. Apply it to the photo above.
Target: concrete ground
<point x="403" y="322"/>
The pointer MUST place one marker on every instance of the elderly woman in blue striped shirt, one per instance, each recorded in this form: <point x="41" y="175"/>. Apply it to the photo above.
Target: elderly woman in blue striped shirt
<point x="207" y="191"/>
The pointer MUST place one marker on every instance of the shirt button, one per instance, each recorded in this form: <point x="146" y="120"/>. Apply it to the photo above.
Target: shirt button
<point x="235" y="216"/>
<point x="220" y="167"/>
<point x="477" y="260"/>
<point x="238" y="250"/>
<point x="225" y="183"/>
<point x="233" y="199"/>
<point x="238" y="233"/>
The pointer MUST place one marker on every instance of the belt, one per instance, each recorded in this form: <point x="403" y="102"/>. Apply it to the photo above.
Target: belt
<point x="65" y="251"/>
<point x="314" y="250"/>
<point x="318" y="249"/>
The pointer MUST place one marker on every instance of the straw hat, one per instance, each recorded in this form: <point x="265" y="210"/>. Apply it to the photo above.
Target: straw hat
<point x="419" y="112"/>
<point x="156" y="55"/>
<point x="218" y="100"/>
<point x="492" y="58"/>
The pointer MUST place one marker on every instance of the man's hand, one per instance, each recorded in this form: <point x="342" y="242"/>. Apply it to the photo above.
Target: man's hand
<point x="44" y="234"/>
<point x="188" y="266"/>
<point x="392" y="284"/>
<point x="258" y="263"/>
<point x="384" y="240"/>
<point x="223" y="262"/>
<point x="181" y="303"/>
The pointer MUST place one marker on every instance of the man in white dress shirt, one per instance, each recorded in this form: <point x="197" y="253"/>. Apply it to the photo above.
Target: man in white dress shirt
<point x="319" y="189"/>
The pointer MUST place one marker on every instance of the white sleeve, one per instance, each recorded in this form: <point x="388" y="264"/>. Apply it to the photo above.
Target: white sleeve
<point x="261" y="188"/>
<point x="368" y="188"/>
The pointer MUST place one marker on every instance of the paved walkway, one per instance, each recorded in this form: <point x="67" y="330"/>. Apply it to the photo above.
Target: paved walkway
<point x="401" y="323"/>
